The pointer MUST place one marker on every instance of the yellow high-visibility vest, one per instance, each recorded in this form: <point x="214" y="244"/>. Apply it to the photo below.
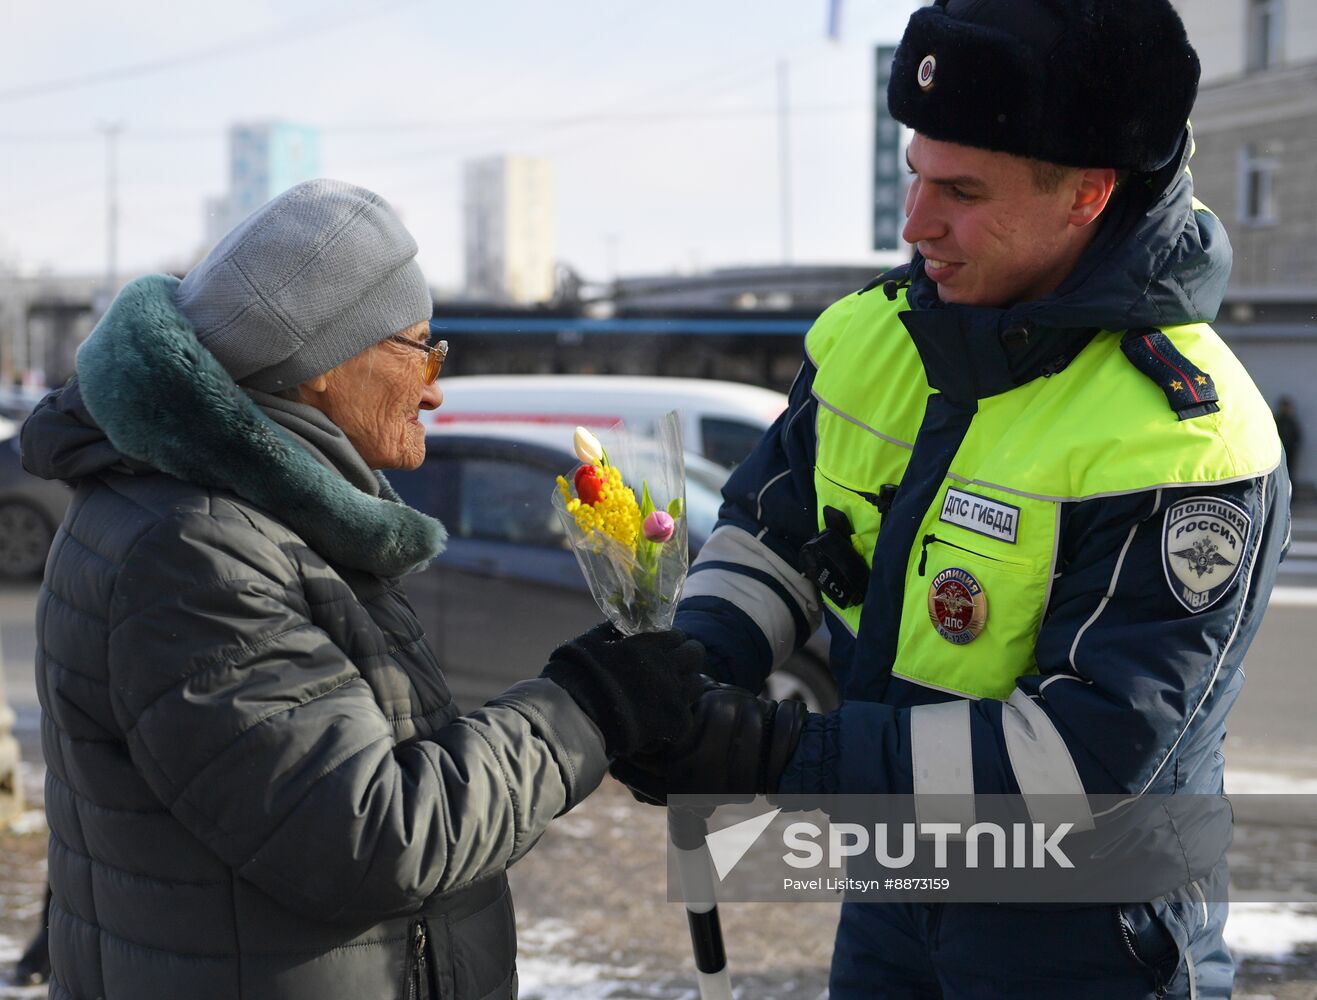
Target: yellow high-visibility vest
<point x="987" y="546"/>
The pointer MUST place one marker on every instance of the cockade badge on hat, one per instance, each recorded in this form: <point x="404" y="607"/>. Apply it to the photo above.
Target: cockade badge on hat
<point x="925" y="73"/>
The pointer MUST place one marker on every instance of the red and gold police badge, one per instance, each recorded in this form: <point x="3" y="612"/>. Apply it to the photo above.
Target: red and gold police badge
<point x="957" y="606"/>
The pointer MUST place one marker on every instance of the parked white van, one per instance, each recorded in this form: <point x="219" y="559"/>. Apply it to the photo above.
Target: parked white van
<point x="720" y="420"/>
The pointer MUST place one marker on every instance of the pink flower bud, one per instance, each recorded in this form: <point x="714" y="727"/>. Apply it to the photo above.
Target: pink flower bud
<point x="659" y="526"/>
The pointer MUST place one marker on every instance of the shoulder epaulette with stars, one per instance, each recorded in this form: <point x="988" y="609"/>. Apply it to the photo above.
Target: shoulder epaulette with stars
<point x="1190" y="390"/>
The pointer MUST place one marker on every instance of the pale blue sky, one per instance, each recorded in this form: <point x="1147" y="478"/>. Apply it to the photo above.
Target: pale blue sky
<point x="672" y="158"/>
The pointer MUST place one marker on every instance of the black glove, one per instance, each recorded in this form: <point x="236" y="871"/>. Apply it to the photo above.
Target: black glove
<point x="637" y="689"/>
<point x="740" y="745"/>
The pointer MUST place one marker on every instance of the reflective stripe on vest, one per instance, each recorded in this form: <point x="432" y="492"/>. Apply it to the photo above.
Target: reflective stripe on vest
<point x="1098" y="428"/>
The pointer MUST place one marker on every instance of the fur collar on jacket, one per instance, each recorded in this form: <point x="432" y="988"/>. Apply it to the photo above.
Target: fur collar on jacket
<point x="162" y="399"/>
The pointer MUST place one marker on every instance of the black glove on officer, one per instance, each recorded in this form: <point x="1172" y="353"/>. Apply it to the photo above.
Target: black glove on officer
<point x="637" y="689"/>
<point x="740" y="745"/>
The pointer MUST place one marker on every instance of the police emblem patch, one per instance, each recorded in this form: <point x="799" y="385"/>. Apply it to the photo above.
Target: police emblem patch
<point x="925" y="73"/>
<point x="1203" y="546"/>
<point x="957" y="606"/>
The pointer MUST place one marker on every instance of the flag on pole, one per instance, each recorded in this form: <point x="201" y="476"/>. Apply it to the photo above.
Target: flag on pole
<point x="834" y="20"/>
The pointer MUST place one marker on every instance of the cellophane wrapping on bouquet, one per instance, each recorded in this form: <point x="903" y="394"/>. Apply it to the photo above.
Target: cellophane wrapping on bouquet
<point x="624" y="510"/>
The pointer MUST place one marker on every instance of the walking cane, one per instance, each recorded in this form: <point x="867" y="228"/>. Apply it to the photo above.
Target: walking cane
<point x="687" y="830"/>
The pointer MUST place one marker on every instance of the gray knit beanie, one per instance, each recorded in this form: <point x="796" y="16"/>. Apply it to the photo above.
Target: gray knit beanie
<point x="305" y="282"/>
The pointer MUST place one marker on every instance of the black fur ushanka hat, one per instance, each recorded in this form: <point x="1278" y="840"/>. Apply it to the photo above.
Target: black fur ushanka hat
<point x="1084" y="83"/>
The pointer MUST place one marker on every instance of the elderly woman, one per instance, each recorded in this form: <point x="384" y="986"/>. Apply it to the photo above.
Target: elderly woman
<point x="257" y="783"/>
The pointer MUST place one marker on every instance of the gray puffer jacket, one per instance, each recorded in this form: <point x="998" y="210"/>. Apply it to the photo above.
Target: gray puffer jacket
<point x="257" y="784"/>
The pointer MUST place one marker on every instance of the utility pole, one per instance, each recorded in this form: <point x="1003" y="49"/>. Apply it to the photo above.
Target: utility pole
<point x="834" y="20"/>
<point x="111" y="131"/>
<point x="784" y="158"/>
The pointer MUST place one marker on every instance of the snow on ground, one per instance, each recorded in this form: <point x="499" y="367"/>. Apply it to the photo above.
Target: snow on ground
<point x="1270" y="930"/>
<point x="565" y="981"/>
<point x="32" y="778"/>
<point x="9" y="952"/>
<point x="551" y="979"/>
<point x="1275" y="932"/>
<point x="546" y="975"/>
<point x="547" y="971"/>
<point x="1245" y="782"/>
<point x="31" y="821"/>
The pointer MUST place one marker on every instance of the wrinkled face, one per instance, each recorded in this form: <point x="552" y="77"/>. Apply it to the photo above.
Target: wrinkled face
<point x="988" y="235"/>
<point x="375" y="398"/>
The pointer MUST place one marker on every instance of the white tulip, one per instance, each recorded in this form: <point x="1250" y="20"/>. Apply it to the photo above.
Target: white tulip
<point x="588" y="448"/>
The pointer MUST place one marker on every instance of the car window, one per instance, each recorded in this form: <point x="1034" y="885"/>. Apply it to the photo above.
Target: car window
<point x="503" y="499"/>
<point x="728" y="442"/>
<point x="431" y="489"/>
<point x="507" y="501"/>
<point x="702" y="505"/>
<point x="489" y="499"/>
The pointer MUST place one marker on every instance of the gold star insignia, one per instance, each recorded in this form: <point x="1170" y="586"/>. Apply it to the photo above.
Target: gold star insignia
<point x="1201" y="379"/>
<point x="1177" y="386"/>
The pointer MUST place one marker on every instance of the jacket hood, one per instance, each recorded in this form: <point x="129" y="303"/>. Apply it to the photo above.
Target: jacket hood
<point x="1160" y="259"/>
<point x="148" y="397"/>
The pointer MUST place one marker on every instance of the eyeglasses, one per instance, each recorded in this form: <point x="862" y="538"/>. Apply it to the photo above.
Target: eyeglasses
<point x="434" y="356"/>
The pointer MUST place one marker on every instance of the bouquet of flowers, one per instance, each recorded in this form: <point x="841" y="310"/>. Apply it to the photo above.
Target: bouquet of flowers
<point x="632" y="552"/>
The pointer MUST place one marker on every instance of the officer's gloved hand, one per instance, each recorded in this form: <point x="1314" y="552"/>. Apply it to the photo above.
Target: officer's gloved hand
<point x="740" y="745"/>
<point x="638" y="689"/>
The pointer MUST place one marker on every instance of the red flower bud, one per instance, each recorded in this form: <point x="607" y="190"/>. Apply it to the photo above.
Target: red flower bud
<point x="588" y="484"/>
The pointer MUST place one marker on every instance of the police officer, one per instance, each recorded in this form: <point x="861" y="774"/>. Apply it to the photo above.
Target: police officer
<point x="1036" y="500"/>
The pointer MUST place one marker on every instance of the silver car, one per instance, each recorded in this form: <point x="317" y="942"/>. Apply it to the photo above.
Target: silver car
<point x="31" y="509"/>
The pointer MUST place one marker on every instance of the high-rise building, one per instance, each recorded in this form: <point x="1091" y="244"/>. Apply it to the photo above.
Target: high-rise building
<point x="508" y="212"/>
<point x="1255" y="125"/>
<point x="265" y="158"/>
